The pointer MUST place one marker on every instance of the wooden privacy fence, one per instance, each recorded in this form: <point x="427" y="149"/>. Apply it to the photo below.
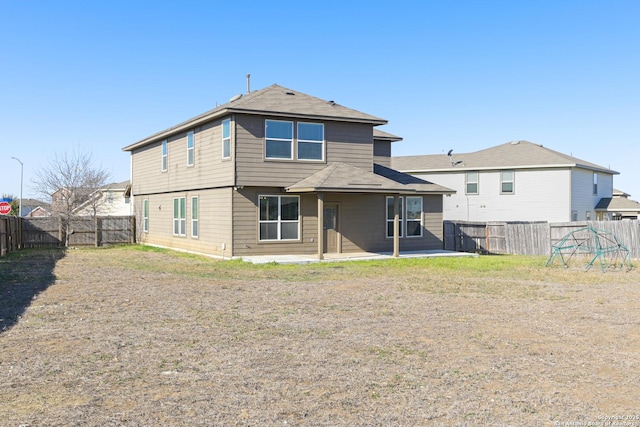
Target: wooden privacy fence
<point x="18" y="233"/>
<point x="529" y="238"/>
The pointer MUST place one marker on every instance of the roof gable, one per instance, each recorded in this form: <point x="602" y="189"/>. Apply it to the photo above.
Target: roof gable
<point x="275" y="101"/>
<point x="512" y="155"/>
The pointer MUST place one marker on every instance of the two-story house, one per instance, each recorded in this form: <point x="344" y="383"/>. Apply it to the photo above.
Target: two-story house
<point x="277" y="171"/>
<point x="515" y="181"/>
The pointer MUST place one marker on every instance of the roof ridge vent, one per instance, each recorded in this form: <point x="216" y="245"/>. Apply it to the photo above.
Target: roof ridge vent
<point x="235" y="98"/>
<point x="515" y="142"/>
<point x="288" y="92"/>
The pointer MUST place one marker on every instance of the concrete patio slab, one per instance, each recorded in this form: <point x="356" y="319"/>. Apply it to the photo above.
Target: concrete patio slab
<point x="356" y="256"/>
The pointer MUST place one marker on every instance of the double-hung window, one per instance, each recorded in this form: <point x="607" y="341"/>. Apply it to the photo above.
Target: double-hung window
<point x="194" y="217"/>
<point x="145" y="215"/>
<point x="191" y="152"/>
<point x="391" y="214"/>
<point x="226" y="138"/>
<point x="507" y="182"/>
<point x="278" y="139"/>
<point x="164" y="156"/>
<point x="414" y="216"/>
<point x="410" y="216"/>
<point x="310" y="141"/>
<point x="179" y="216"/>
<point x="279" y="218"/>
<point x="595" y="183"/>
<point x="471" y="183"/>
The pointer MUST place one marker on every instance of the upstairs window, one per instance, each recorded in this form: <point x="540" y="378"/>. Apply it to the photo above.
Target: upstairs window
<point x="507" y="185"/>
<point x="226" y="138"/>
<point x="191" y="155"/>
<point x="278" y="139"/>
<point x="595" y="183"/>
<point x="164" y="156"/>
<point x="310" y="141"/>
<point x="472" y="183"/>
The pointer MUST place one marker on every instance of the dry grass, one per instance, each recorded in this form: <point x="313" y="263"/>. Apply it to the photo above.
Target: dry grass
<point x="125" y="336"/>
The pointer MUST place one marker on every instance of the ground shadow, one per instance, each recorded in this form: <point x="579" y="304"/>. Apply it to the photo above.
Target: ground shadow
<point x="23" y="275"/>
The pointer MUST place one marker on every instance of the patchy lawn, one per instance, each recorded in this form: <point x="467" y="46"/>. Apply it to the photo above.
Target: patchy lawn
<point x="137" y="337"/>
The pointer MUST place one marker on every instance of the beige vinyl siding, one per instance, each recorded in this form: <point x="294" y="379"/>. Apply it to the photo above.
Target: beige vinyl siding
<point x="344" y="142"/>
<point x="361" y="219"/>
<point x="245" y="224"/>
<point x="382" y="153"/>
<point x="208" y="171"/>
<point x="214" y="221"/>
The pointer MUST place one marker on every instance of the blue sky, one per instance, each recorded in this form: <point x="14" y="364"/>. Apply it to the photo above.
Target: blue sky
<point x="464" y="75"/>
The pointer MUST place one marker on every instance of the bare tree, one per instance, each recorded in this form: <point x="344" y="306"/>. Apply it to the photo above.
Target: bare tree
<point x="70" y="180"/>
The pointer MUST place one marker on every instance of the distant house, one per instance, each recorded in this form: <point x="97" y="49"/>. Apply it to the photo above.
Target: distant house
<point x="110" y="200"/>
<point x="516" y="181"/>
<point x="619" y="206"/>
<point x="32" y="208"/>
<point x="278" y="171"/>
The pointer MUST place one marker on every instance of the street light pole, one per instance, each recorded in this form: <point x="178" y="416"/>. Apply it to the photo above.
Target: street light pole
<point x="21" y="175"/>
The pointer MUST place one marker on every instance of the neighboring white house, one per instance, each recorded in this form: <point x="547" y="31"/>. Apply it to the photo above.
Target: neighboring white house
<point x="110" y="200"/>
<point x="516" y="181"/>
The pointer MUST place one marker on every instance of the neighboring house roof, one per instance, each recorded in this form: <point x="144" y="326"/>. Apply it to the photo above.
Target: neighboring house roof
<point x="31" y="205"/>
<point x="274" y="101"/>
<point x="618" y="204"/>
<point x="342" y="177"/>
<point x="511" y="155"/>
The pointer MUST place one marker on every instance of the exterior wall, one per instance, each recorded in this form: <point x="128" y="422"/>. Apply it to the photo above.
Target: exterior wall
<point x="214" y="222"/>
<point x="361" y="219"/>
<point x="350" y="143"/>
<point x="583" y="200"/>
<point x="540" y="195"/>
<point x="382" y="153"/>
<point x="209" y="169"/>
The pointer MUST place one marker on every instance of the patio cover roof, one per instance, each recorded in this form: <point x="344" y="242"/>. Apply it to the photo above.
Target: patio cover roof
<point x="345" y="178"/>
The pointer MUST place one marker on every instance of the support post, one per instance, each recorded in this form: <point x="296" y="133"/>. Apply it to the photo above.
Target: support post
<point x="320" y="226"/>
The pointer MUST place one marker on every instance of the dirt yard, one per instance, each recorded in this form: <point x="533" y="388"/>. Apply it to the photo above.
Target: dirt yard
<point x="124" y="336"/>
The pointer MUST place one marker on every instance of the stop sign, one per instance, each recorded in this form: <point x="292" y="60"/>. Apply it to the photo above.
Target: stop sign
<point x="5" y="208"/>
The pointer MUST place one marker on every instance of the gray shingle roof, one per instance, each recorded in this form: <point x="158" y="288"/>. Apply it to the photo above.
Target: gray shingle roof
<point x="512" y="155"/>
<point x="275" y="101"/>
<point x="342" y="177"/>
<point x="618" y="204"/>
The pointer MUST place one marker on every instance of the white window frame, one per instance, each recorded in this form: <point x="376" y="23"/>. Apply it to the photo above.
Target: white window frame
<point x="279" y="221"/>
<point x="226" y="139"/>
<point x="145" y="215"/>
<point x="391" y="214"/>
<point x="180" y="216"/>
<point x="195" y="207"/>
<point x="165" y="156"/>
<point x="467" y="181"/>
<point x="309" y="141"/>
<point x="413" y="220"/>
<point x="267" y="139"/>
<point x="191" y="149"/>
<point x="511" y="181"/>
